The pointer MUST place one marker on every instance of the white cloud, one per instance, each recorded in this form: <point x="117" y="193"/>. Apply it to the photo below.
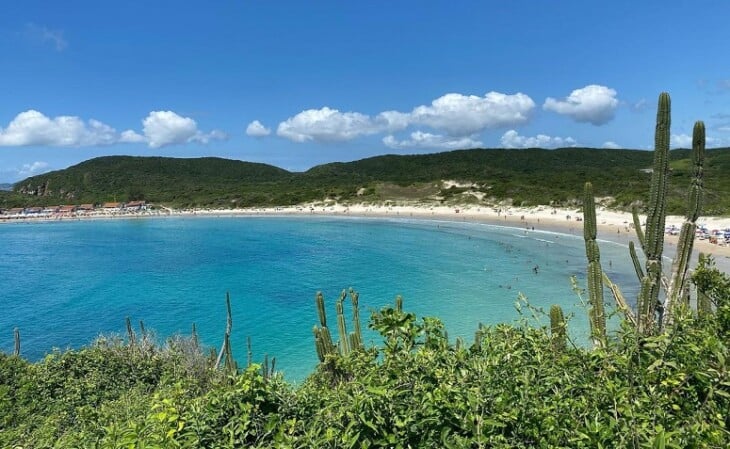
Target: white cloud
<point x="426" y="140"/>
<point x="326" y="125"/>
<point x="162" y="128"/>
<point x="685" y="141"/>
<point x="462" y="115"/>
<point x="130" y="136"/>
<point x="454" y="114"/>
<point x="166" y="128"/>
<point x="393" y="120"/>
<point x="35" y="168"/>
<point x="33" y="128"/>
<point x="681" y="141"/>
<point x="44" y="35"/>
<point x="593" y="104"/>
<point x="512" y="139"/>
<point x="611" y="145"/>
<point x="256" y="129"/>
<point x="204" y="138"/>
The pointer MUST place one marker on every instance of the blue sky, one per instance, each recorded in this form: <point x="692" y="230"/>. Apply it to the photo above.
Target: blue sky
<point x="299" y="83"/>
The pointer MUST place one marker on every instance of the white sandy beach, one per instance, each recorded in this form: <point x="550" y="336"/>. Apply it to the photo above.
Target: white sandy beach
<point x="612" y="225"/>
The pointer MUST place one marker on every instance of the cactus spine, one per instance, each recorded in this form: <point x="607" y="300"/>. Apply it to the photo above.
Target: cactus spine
<point x="680" y="264"/>
<point x="595" y="274"/>
<point x="557" y="328"/>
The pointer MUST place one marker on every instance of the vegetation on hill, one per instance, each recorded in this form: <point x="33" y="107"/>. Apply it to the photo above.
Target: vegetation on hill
<point x="518" y="176"/>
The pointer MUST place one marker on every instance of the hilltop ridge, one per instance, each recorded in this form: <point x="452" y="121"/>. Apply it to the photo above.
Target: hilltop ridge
<point x="514" y="176"/>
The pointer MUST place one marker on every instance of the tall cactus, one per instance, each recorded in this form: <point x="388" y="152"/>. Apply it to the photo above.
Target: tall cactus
<point x="356" y="334"/>
<point x="16" y="335"/>
<point x="194" y="340"/>
<point x="655" y="220"/>
<point x="595" y="274"/>
<point x="130" y="333"/>
<point x="344" y="343"/>
<point x="652" y="314"/>
<point x="680" y="265"/>
<point x="319" y="299"/>
<point x="225" y="350"/>
<point x="704" y="303"/>
<point x="322" y="336"/>
<point x="635" y="259"/>
<point x="557" y="328"/>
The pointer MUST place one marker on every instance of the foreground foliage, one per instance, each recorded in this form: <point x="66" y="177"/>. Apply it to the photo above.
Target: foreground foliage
<point x="511" y="388"/>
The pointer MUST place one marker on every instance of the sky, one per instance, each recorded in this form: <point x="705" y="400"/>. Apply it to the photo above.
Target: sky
<point x="300" y="83"/>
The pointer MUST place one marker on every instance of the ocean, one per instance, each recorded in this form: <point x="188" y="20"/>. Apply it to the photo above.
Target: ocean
<point x="65" y="283"/>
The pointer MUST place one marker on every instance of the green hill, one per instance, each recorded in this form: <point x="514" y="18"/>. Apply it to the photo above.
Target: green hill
<point x="523" y="176"/>
<point x="160" y="179"/>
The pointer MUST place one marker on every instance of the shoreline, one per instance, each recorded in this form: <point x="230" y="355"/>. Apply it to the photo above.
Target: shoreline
<point x="613" y="226"/>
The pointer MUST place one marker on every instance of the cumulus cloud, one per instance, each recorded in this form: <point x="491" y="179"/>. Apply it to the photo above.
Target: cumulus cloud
<point x="130" y="136"/>
<point x="34" y="128"/>
<point x="512" y="139"/>
<point x="419" y="139"/>
<point x="166" y="128"/>
<point x="462" y="115"/>
<point x="681" y="141"/>
<point x="392" y="121"/>
<point x="592" y="104"/>
<point x="326" y="125"/>
<point x="454" y="114"/>
<point x="611" y="145"/>
<point x="256" y="129"/>
<point x="204" y="138"/>
<point x="162" y="128"/>
<point x="45" y="35"/>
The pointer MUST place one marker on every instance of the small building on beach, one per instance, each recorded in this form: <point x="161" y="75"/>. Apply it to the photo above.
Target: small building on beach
<point x="134" y="206"/>
<point x="112" y="206"/>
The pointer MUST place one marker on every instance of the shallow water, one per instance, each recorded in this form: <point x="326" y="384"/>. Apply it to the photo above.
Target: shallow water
<point x="64" y="283"/>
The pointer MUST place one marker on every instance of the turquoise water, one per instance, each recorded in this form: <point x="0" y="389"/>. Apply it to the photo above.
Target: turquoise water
<point x="64" y="283"/>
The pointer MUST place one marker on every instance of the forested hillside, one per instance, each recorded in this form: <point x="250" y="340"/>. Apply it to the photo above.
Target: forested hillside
<point x="522" y="176"/>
